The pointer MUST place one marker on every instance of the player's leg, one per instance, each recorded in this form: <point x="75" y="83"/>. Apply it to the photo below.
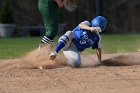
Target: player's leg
<point x="63" y="42"/>
<point x="72" y="56"/>
<point x="48" y="10"/>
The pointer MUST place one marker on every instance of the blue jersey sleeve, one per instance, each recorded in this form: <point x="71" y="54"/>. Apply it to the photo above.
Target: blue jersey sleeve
<point x="95" y="46"/>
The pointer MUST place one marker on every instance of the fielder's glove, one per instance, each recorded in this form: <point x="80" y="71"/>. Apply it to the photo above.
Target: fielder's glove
<point x="70" y="6"/>
<point x="53" y="55"/>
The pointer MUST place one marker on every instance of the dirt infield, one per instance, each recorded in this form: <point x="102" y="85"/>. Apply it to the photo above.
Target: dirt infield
<point x="119" y="73"/>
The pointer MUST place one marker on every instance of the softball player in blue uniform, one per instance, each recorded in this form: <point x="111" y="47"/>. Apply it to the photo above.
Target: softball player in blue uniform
<point x="85" y="35"/>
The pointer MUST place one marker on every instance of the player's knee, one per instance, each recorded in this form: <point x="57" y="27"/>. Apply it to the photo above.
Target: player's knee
<point x="69" y="33"/>
<point x="66" y="37"/>
<point x="74" y="63"/>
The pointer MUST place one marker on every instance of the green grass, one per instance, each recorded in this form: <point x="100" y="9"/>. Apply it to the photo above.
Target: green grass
<point x="118" y="43"/>
<point x="16" y="47"/>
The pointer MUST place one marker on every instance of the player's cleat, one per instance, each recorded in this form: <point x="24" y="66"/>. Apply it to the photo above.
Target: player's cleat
<point x="45" y="42"/>
<point x="50" y="45"/>
<point x="53" y="55"/>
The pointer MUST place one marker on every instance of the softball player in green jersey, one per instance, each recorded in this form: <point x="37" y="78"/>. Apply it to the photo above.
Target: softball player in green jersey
<point x="48" y="10"/>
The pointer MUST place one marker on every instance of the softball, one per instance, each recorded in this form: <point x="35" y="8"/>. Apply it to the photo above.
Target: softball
<point x="40" y="67"/>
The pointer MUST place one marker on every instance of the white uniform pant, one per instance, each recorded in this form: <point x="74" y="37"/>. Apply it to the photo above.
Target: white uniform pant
<point x="71" y="53"/>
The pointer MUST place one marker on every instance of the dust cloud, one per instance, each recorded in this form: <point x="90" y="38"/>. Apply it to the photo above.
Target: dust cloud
<point x="123" y="60"/>
<point x="39" y="59"/>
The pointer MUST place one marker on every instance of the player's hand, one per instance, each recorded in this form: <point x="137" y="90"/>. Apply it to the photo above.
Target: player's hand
<point x="53" y="55"/>
<point x="95" y="29"/>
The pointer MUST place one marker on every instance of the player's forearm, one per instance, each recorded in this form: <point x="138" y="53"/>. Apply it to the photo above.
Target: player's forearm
<point x="99" y="54"/>
<point x="92" y="29"/>
<point x="83" y="26"/>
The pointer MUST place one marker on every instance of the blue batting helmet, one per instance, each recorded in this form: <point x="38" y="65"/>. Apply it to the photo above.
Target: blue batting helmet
<point x="99" y="21"/>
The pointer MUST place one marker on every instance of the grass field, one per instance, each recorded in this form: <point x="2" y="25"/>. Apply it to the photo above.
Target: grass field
<point x="15" y="47"/>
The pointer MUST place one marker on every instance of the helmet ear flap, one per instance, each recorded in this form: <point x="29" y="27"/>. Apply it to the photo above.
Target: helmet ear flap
<point x="99" y="21"/>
